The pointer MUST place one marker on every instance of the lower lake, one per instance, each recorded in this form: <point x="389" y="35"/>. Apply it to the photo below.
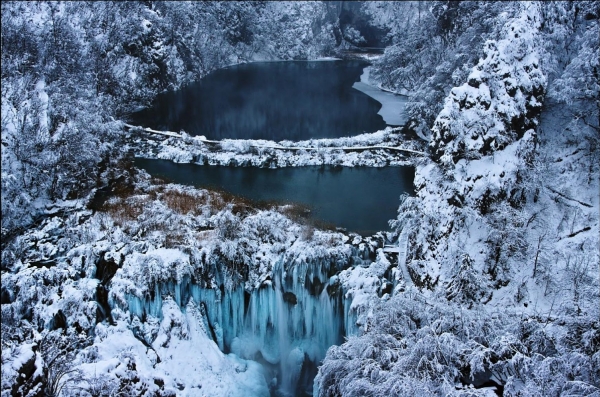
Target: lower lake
<point x="359" y="199"/>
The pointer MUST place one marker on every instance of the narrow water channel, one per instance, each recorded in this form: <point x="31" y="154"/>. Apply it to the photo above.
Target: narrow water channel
<point x="360" y="199"/>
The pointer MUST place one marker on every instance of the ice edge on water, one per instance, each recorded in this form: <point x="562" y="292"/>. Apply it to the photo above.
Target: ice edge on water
<point x="392" y="105"/>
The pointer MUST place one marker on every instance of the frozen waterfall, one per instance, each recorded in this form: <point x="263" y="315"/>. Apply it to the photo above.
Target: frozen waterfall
<point x="287" y="324"/>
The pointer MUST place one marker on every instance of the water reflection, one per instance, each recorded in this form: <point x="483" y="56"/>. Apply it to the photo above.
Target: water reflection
<point x="270" y="100"/>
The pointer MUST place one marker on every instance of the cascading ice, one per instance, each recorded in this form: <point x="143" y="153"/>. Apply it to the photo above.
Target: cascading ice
<point x="288" y="323"/>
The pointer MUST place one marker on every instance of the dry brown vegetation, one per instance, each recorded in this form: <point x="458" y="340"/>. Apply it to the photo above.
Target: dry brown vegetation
<point x="174" y="239"/>
<point x="183" y="202"/>
<point x="128" y="202"/>
<point x="123" y="210"/>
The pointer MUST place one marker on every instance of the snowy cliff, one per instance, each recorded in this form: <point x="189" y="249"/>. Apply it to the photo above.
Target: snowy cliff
<point x="500" y="237"/>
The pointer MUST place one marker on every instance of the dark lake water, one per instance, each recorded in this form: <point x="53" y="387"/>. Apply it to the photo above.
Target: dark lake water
<point x="360" y="199"/>
<point x="269" y="100"/>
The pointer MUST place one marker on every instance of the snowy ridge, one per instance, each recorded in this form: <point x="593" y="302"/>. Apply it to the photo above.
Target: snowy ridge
<point x="261" y="144"/>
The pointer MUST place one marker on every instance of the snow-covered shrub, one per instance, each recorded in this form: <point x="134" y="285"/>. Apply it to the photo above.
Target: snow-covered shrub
<point x="228" y="224"/>
<point x="58" y="351"/>
<point x="184" y="202"/>
<point x="468" y="286"/>
<point x="413" y="347"/>
<point x="353" y="36"/>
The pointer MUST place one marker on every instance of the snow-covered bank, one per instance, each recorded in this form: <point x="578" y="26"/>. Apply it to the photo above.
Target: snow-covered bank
<point x="392" y="105"/>
<point x="382" y="148"/>
<point x="183" y="360"/>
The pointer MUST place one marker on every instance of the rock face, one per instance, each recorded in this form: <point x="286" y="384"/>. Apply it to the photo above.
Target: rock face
<point x="29" y="380"/>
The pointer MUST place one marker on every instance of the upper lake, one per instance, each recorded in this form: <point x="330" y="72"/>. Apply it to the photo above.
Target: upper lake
<point x="269" y="100"/>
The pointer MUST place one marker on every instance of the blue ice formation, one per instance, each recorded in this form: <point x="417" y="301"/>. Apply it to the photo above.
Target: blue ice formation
<point x="287" y="324"/>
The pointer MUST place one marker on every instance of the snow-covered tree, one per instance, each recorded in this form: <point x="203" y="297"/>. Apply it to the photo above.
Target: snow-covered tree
<point x="501" y="100"/>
